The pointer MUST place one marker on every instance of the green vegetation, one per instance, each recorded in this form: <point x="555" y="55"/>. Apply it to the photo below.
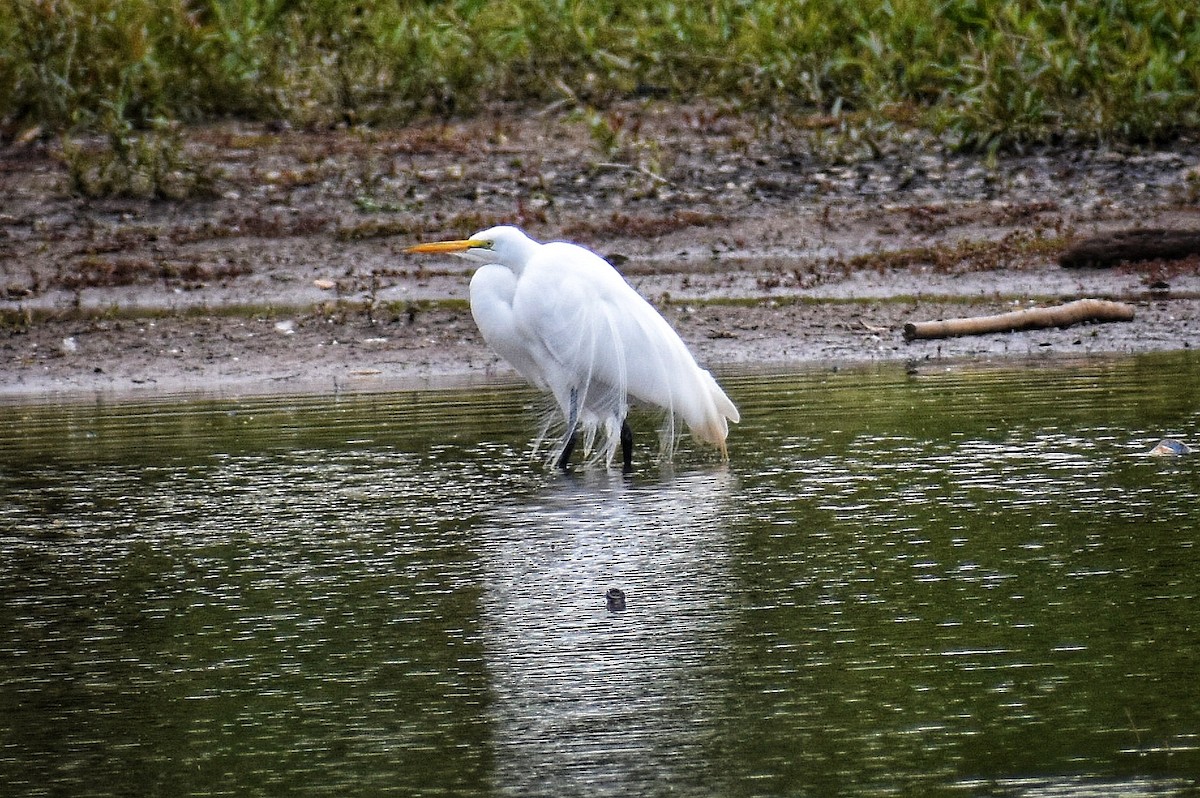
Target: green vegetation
<point x="148" y="163"/>
<point x="985" y="73"/>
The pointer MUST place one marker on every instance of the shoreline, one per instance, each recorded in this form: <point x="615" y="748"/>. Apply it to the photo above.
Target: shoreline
<point x="151" y="358"/>
<point x="762" y="252"/>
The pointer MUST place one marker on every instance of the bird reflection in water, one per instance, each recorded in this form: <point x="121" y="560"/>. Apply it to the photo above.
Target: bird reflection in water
<point x="591" y="698"/>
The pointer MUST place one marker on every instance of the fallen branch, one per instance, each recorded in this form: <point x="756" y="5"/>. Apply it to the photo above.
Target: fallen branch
<point x="1080" y="310"/>
<point x="1131" y="245"/>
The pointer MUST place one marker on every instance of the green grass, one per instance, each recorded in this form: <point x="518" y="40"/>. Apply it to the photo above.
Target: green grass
<point x="985" y="73"/>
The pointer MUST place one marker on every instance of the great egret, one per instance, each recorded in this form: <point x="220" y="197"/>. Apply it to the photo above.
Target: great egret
<point x="572" y="326"/>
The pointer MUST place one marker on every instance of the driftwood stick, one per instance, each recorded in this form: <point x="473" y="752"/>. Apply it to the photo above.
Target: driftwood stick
<point x="1131" y="245"/>
<point x="1032" y="319"/>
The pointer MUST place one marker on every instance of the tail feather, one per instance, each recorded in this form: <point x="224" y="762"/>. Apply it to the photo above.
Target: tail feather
<point x="710" y="412"/>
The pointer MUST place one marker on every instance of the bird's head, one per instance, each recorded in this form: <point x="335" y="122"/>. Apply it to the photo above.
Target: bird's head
<point x="505" y="245"/>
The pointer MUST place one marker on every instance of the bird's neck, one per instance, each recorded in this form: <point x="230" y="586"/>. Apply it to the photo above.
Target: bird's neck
<point x="520" y="255"/>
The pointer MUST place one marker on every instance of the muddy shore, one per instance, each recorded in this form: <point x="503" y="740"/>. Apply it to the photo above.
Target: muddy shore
<point x="768" y="247"/>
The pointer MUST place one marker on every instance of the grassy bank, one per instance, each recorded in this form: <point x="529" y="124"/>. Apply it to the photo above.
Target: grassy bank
<point x="983" y="72"/>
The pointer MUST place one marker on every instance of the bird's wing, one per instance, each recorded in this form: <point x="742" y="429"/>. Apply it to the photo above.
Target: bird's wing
<point x="560" y="305"/>
<point x="661" y="370"/>
<point x="597" y="328"/>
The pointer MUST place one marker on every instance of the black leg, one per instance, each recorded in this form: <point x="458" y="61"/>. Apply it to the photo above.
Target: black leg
<point x="564" y="459"/>
<point x="626" y="447"/>
<point x="571" y="438"/>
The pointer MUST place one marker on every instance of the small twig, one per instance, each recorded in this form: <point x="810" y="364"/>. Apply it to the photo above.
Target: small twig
<point x="554" y="107"/>
<point x="624" y="167"/>
<point x="1136" y="734"/>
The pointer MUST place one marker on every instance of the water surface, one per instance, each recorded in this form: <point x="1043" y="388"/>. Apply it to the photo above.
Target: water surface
<point x="962" y="581"/>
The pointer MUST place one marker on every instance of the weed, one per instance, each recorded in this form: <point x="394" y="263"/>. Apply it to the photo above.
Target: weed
<point x="644" y="225"/>
<point x="963" y="256"/>
<point x="93" y="271"/>
<point x="375" y="228"/>
<point x="607" y="132"/>
<point x="128" y="163"/>
<point x="986" y="74"/>
<point x="1189" y="192"/>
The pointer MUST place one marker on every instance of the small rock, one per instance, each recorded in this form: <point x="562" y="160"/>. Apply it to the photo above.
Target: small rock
<point x="615" y="599"/>
<point x="1170" y="448"/>
<point x="286" y="327"/>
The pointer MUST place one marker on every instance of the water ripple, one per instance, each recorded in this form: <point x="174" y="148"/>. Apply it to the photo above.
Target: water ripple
<point x="940" y="582"/>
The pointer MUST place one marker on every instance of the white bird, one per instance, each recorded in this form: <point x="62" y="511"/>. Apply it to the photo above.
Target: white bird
<point x="571" y="325"/>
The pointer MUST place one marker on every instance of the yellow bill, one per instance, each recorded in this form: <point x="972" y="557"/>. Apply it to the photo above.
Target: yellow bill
<point x="446" y="246"/>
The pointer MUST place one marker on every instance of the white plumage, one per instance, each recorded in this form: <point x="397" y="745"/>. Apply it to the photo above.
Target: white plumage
<point x="571" y="325"/>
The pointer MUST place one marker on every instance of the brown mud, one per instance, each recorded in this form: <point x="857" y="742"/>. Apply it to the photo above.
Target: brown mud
<point x="769" y="247"/>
